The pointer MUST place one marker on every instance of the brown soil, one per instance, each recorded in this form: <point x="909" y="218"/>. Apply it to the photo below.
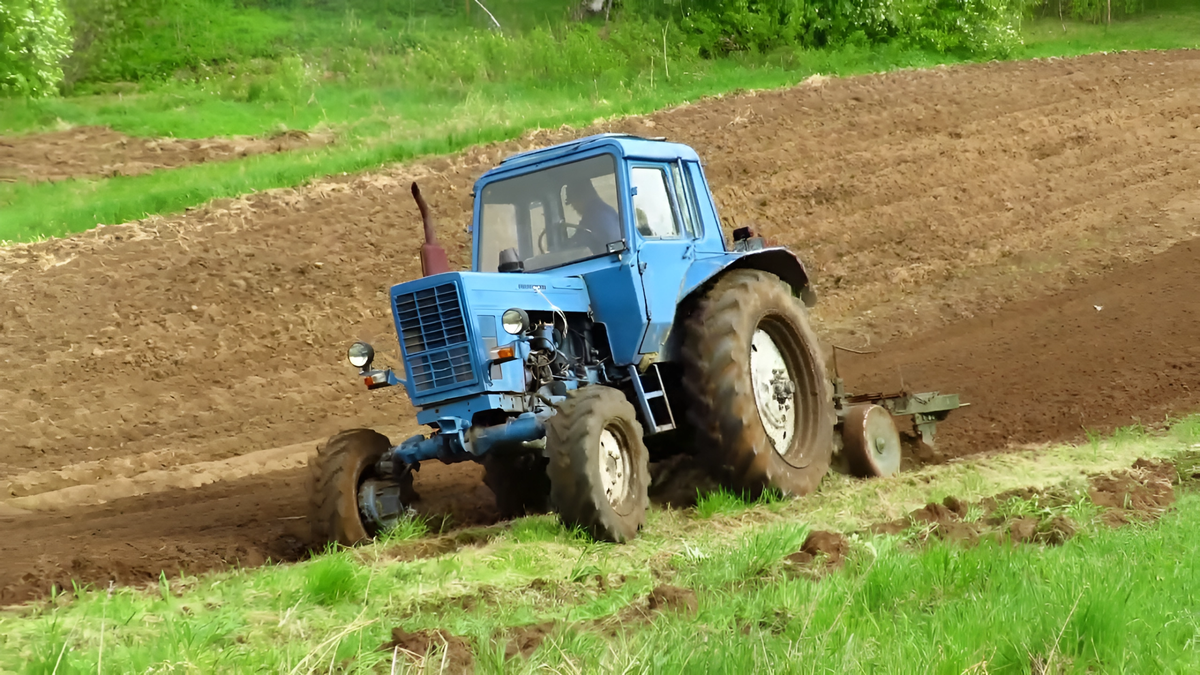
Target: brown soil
<point x="1046" y="369"/>
<point x="227" y="523"/>
<point x="1001" y="200"/>
<point x="673" y="599"/>
<point x="433" y="547"/>
<point x="821" y="552"/>
<point x="524" y="640"/>
<point x="85" y="152"/>
<point x="1139" y="494"/>
<point x="451" y="653"/>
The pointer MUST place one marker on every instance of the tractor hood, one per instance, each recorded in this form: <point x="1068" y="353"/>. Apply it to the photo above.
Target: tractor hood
<point x="449" y="323"/>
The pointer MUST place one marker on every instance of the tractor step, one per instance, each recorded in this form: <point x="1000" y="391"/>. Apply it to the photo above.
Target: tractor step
<point x="645" y="396"/>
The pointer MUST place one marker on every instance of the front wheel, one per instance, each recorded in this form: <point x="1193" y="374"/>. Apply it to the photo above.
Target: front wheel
<point x="337" y="472"/>
<point x="599" y="466"/>
<point x="760" y="399"/>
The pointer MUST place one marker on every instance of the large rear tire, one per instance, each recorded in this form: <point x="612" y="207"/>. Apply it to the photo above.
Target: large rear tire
<point x="599" y="472"/>
<point x="336" y="470"/>
<point x="519" y="481"/>
<point x="759" y="397"/>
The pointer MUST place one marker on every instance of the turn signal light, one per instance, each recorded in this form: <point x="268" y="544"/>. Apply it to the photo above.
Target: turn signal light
<point x="505" y="353"/>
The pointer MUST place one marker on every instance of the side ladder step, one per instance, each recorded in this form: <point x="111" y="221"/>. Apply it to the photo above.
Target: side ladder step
<point x="644" y="398"/>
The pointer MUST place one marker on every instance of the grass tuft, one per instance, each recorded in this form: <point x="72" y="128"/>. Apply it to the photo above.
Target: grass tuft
<point x="723" y="502"/>
<point x="410" y="526"/>
<point x="332" y="579"/>
<point x="748" y="559"/>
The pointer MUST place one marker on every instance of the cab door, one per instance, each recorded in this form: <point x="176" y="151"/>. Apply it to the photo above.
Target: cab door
<point x="665" y="230"/>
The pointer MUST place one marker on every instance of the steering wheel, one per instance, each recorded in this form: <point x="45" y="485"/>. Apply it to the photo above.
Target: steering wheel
<point x="541" y="241"/>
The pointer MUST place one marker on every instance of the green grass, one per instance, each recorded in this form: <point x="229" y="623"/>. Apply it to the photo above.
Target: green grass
<point x="1108" y="600"/>
<point x="1167" y="24"/>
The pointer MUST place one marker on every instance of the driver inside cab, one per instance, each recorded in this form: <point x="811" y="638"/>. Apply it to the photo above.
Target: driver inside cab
<point x="598" y="222"/>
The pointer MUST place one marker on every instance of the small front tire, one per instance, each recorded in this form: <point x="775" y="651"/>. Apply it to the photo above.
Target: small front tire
<point x="599" y="465"/>
<point x="336" y="470"/>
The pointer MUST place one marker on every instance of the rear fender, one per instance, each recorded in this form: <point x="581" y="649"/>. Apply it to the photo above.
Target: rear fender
<point x="706" y="271"/>
<point x="778" y="261"/>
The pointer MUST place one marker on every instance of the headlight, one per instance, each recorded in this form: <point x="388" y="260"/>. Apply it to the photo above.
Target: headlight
<point x="360" y="354"/>
<point x="515" y="321"/>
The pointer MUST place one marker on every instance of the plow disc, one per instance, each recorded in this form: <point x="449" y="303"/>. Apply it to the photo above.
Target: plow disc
<point x="870" y="441"/>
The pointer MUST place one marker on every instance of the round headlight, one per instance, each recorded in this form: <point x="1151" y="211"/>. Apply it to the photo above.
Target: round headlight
<point x="515" y="321"/>
<point x="360" y="354"/>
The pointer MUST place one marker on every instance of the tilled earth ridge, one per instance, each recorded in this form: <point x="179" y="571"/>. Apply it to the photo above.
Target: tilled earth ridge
<point x="917" y="198"/>
<point x="1112" y="350"/>
<point x="88" y="152"/>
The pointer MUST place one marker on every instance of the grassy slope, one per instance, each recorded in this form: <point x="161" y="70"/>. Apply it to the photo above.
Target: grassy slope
<point x="1121" y="600"/>
<point x="390" y="122"/>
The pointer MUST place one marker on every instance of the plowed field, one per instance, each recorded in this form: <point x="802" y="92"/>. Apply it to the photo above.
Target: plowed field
<point x="1017" y="232"/>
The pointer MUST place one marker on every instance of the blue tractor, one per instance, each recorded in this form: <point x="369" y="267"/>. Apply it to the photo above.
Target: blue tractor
<point x="605" y="319"/>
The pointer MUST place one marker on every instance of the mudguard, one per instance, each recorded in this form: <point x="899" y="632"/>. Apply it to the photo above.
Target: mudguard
<point x="778" y="261"/>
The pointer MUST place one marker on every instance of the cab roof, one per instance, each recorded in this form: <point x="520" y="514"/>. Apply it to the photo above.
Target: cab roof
<point x="626" y="145"/>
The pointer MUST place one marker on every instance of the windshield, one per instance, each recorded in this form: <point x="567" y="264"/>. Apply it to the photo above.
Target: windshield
<point x="552" y="217"/>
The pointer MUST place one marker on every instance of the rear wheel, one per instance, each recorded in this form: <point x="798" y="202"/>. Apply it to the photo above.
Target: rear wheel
<point x="759" y="397"/>
<point x="599" y="473"/>
<point x="337" y="472"/>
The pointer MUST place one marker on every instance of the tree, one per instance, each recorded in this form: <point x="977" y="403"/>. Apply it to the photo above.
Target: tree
<point x="35" y="37"/>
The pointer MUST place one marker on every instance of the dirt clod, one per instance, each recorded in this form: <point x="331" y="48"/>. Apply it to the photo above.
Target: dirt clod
<point x="828" y="547"/>
<point x="1022" y="530"/>
<point x="452" y="653"/>
<point x="524" y="640"/>
<point x="1142" y="493"/>
<point x="672" y="598"/>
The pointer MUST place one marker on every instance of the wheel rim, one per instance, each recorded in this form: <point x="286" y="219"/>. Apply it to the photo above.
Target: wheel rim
<point x="616" y="468"/>
<point x="774" y="390"/>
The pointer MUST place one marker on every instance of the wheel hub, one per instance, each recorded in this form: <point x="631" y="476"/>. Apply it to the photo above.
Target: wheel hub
<point x="380" y="505"/>
<point x="774" y="390"/>
<point x="615" y="468"/>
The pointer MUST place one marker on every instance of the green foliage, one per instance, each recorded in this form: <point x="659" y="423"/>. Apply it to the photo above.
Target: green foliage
<point x="34" y="38"/>
<point x="966" y="27"/>
<point x="1094" y="11"/>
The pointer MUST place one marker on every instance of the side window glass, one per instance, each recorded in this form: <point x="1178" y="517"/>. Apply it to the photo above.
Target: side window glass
<point x="687" y="205"/>
<point x="652" y="210"/>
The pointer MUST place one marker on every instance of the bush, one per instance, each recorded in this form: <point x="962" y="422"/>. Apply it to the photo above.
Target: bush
<point x="967" y="27"/>
<point x="34" y="39"/>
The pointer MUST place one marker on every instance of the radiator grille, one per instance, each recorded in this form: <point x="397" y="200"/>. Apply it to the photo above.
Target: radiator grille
<point x="433" y="332"/>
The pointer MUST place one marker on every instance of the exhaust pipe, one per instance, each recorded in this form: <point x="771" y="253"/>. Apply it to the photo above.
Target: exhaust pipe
<point x="433" y="256"/>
